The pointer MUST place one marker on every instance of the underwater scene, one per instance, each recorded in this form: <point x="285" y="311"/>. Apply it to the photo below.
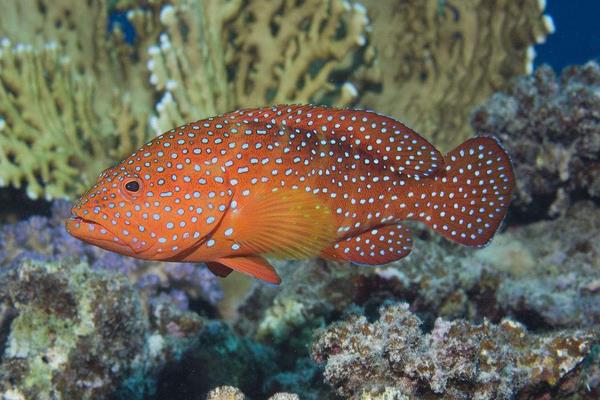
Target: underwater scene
<point x="299" y="199"/>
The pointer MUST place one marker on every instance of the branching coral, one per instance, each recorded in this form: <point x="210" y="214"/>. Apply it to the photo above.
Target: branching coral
<point x="290" y="51"/>
<point x="456" y="360"/>
<point x="551" y="128"/>
<point x="438" y="59"/>
<point x="280" y="52"/>
<point x="75" y="98"/>
<point x="68" y="105"/>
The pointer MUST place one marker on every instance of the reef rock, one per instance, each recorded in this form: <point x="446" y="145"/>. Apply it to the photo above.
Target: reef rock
<point x="456" y="360"/>
<point x="74" y="333"/>
<point x="551" y="128"/>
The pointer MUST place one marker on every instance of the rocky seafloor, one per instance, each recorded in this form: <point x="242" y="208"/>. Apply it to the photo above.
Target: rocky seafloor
<point x="518" y="319"/>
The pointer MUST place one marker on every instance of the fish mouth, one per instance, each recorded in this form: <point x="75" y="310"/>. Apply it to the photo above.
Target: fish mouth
<point x="95" y="233"/>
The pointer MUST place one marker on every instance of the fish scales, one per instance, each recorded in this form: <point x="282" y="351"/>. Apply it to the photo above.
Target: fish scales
<point x="292" y="181"/>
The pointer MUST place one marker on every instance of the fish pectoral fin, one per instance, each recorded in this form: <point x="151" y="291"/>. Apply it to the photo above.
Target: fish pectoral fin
<point x="218" y="269"/>
<point x="289" y="224"/>
<point x="254" y="266"/>
<point x="375" y="247"/>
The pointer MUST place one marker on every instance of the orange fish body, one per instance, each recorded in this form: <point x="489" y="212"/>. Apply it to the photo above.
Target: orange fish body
<point x="292" y="182"/>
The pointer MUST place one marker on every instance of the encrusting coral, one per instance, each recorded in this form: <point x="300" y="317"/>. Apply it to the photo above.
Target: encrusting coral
<point x="74" y="98"/>
<point x="456" y="359"/>
<point x="551" y="127"/>
<point x="82" y="334"/>
<point x="439" y="59"/>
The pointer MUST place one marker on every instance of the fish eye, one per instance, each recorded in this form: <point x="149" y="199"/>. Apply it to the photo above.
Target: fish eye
<point x="132" y="186"/>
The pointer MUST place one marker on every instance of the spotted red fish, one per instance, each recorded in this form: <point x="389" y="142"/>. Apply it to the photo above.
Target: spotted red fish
<point x="292" y="182"/>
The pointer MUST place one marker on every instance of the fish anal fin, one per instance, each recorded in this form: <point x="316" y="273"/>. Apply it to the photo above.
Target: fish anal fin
<point x="218" y="269"/>
<point x="254" y="266"/>
<point x="375" y="247"/>
<point x="289" y="224"/>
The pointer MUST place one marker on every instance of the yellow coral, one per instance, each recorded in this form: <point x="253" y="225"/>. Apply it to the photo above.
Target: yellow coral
<point x="74" y="98"/>
<point x="438" y="60"/>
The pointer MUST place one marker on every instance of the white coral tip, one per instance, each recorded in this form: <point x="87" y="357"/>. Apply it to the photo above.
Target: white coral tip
<point x="153" y="121"/>
<point x="162" y="103"/>
<point x="165" y="43"/>
<point x="171" y="84"/>
<point x="5" y="42"/>
<point x="2" y="124"/>
<point x="529" y="60"/>
<point x="360" y="8"/>
<point x="349" y="89"/>
<point x="153" y="50"/>
<point x="541" y="5"/>
<point x="549" y="23"/>
<point x="167" y="14"/>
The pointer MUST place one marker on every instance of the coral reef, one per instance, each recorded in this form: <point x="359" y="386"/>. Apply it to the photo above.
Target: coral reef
<point x="551" y="128"/>
<point x="68" y="103"/>
<point x="74" y="98"/>
<point x="439" y="59"/>
<point x="231" y="393"/>
<point x="456" y="359"/>
<point x="544" y="275"/>
<point x="45" y="239"/>
<point x="78" y="333"/>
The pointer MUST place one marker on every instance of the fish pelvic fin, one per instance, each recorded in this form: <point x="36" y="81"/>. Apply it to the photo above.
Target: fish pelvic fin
<point x="254" y="266"/>
<point x="470" y="197"/>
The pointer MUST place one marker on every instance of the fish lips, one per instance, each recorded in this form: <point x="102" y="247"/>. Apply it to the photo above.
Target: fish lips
<point x="96" y="234"/>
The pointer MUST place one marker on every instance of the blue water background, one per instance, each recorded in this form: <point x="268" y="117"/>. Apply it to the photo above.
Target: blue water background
<point x="577" y="36"/>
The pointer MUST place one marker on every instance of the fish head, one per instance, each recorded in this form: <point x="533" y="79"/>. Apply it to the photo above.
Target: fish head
<point x="110" y="214"/>
<point x="150" y="207"/>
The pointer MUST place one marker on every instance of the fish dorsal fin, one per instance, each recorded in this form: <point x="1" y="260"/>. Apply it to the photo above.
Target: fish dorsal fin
<point x="218" y="269"/>
<point x="387" y="142"/>
<point x="254" y="266"/>
<point x="290" y="224"/>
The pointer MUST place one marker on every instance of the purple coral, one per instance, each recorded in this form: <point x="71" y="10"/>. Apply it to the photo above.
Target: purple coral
<point x="551" y="128"/>
<point x="45" y="239"/>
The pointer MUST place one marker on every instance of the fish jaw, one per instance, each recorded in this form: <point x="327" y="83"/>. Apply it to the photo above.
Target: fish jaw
<point x="96" y="234"/>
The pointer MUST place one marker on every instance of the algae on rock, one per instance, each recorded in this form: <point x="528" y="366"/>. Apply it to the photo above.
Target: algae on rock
<point x="83" y="334"/>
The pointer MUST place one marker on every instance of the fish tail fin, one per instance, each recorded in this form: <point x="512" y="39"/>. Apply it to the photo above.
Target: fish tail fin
<point x="469" y="200"/>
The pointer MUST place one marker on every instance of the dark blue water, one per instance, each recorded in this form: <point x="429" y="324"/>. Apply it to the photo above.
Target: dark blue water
<point x="577" y="36"/>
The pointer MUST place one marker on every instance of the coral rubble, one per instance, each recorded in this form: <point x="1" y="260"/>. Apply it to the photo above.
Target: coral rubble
<point x="232" y="393"/>
<point x="78" y="333"/>
<point x="456" y="359"/>
<point x="551" y="128"/>
<point x="439" y="59"/>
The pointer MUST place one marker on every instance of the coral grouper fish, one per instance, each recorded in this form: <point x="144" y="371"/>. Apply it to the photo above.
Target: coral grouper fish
<point x="292" y="182"/>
